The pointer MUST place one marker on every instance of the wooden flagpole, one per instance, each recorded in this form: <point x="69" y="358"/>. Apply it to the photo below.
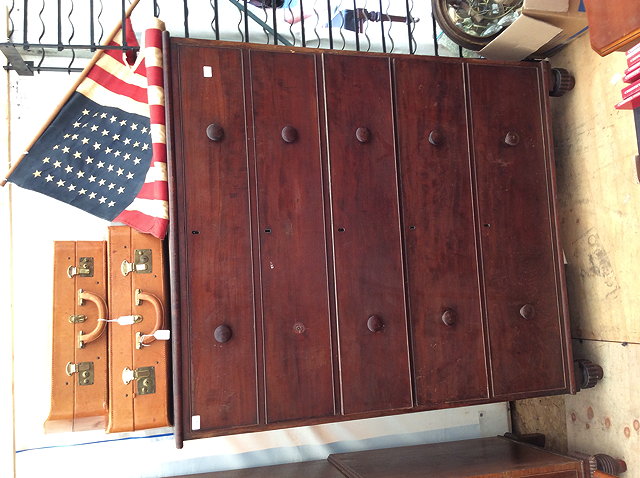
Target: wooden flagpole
<point x="64" y="100"/>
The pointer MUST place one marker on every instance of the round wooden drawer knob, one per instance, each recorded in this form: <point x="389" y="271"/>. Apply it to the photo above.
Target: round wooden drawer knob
<point x="449" y="317"/>
<point x="527" y="311"/>
<point x="436" y="138"/>
<point x="375" y="323"/>
<point x="222" y="334"/>
<point x="215" y="132"/>
<point x="289" y="134"/>
<point x="512" y="138"/>
<point x="363" y="135"/>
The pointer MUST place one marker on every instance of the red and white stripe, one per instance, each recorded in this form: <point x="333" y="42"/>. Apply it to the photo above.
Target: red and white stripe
<point x="139" y="89"/>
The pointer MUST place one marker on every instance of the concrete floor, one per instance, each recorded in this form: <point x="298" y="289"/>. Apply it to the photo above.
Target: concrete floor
<point x="599" y="206"/>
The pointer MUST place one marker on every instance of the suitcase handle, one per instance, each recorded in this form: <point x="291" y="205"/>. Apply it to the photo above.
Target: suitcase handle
<point x="146" y="339"/>
<point x="101" y="324"/>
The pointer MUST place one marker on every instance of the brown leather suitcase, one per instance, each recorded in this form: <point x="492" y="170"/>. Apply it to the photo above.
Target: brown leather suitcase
<point x="79" y="351"/>
<point x="138" y="361"/>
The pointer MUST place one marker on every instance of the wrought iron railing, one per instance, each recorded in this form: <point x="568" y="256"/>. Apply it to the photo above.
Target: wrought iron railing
<point x="60" y="35"/>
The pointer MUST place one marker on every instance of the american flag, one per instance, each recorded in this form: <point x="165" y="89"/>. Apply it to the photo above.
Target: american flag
<point x="105" y="150"/>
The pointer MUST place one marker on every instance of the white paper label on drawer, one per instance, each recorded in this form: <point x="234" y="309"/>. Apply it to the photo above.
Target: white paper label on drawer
<point x="195" y="422"/>
<point x="207" y="71"/>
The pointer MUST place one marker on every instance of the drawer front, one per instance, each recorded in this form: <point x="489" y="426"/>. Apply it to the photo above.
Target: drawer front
<point x="521" y="282"/>
<point x="293" y="252"/>
<point x="552" y="474"/>
<point x="216" y="263"/>
<point x="366" y="232"/>
<point x="439" y="232"/>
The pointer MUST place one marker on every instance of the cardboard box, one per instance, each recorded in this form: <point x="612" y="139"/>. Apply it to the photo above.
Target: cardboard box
<point x="542" y="28"/>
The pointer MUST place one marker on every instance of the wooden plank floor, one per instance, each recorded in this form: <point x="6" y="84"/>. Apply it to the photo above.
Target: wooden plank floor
<point x="599" y="204"/>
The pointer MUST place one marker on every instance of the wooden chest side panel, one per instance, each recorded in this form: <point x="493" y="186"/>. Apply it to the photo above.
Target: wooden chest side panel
<point x="439" y="232"/>
<point x="218" y="292"/>
<point x="293" y="259"/>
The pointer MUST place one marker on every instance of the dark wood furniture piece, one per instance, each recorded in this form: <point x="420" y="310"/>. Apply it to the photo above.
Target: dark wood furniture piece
<point x="357" y="235"/>
<point x="305" y="469"/>
<point x="613" y="26"/>
<point x="495" y="457"/>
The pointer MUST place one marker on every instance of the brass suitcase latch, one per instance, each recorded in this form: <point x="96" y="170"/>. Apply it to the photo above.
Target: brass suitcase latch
<point x="83" y="269"/>
<point x="145" y="378"/>
<point x="84" y="371"/>
<point x="142" y="263"/>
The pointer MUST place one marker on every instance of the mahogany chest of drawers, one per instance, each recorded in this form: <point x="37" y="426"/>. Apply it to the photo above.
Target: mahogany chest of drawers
<point x="356" y="235"/>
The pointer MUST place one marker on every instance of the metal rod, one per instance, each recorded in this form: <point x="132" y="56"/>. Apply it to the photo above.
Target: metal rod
<point x="217" y="23"/>
<point x="124" y="26"/>
<point x="10" y="18"/>
<point x="246" y="21"/>
<point x="73" y="32"/>
<point x="435" y="35"/>
<point x="356" y="24"/>
<point x="59" y="25"/>
<point x="409" y="21"/>
<point x="330" y="26"/>
<point x="186" y="18"/>
<point x="304" y="42"/>
<point x="384" y="40"/>
<point x="24" y="30"/>
<point x="275" y="21"/>
<point x="100" y="23"/>
<point x="70" y="46"/>
<point x="49" y="68"/>
<point x="91" y="26"/>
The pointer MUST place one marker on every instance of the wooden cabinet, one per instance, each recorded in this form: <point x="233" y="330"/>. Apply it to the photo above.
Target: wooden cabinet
<point x="495" y="457"/>
<point x="357" y="235"/>
<point x="306" y="469"/>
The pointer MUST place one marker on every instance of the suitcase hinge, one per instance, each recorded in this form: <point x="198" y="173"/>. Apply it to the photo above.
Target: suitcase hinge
<point x="145" y="378"/>
<point x="84" y="371"/>
<point x="142" y="263"/>
<point x="84" y="268"/>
